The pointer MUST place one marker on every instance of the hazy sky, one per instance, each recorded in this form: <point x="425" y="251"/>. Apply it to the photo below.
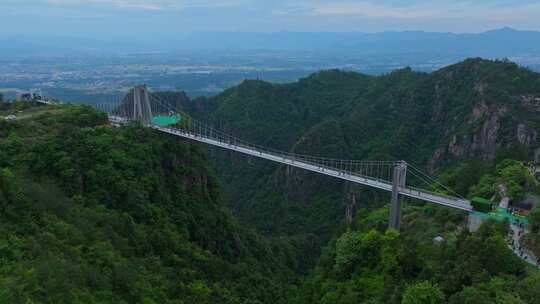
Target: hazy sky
<point x="110" y="18"/>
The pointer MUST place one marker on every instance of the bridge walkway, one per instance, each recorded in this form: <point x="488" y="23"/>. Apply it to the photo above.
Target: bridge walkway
<point x="286" y="159"/>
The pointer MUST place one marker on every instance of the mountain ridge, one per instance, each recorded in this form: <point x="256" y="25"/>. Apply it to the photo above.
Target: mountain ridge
<point x="492" y="43"/>
<point x="474" y="109"/>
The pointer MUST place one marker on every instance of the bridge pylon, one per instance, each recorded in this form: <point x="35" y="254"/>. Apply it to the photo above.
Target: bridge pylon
<point x="141" y="104"/>
<point x="398" y="181"/>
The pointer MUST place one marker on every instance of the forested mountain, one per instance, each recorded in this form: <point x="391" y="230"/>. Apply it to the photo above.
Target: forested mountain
<point x="477" y="109"/>
<point x="462" y="120"/>
<point x="445" y="111"/>
<point x="90" y="213"/>
<point x="94" y="214"/>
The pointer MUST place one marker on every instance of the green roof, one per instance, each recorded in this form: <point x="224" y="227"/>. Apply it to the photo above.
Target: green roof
<point x="480" y="200"/>
<point x="162" y="120"/>
<point x="500" y="214"/>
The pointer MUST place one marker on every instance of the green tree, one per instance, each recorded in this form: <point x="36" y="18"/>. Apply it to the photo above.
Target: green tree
<point x="511" y="173"/>
<point x="348" y="249"/>
<point x="469" y="295"/>
<point x="365" y="251"/>
<point x="485" y="187"/>
<point x="534" y="220"/>
<point x="465" y="176"/>
<point x="516" y="177"/>
<point x="94" y="214"/>
<point x="423" y="293"/>
<point x="529" y="288"/>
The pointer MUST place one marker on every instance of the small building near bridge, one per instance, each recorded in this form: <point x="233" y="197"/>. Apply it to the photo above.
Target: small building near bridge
<point x="481" y="204"/>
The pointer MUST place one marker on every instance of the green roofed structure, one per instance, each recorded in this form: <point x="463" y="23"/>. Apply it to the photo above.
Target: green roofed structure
<point x="165" y="120"/>
<point x="481" y="204"/>
<point x="484" y="209"/>
<point x="500" y="215"/>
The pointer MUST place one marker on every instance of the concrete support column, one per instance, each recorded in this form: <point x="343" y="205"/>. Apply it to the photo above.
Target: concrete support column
<point x="141" y="104"/>
<point x="145" y="104"/>
<point x="398" y="180"/>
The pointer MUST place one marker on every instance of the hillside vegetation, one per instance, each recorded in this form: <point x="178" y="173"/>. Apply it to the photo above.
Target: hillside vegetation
<point x="477" y="110"/>
<point x="90" y="213"/>
<point x="94" y="214"/>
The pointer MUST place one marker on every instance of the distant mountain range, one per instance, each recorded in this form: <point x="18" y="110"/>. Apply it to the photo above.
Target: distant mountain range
<point x="500" y="41"/>
<point x="505" y="42"/>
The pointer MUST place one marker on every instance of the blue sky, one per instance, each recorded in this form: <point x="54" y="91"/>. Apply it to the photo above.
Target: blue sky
<point x="115" y="18"/>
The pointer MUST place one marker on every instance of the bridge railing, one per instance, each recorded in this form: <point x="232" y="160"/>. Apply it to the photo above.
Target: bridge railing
<point x="379" y="171"/>
<point x="412" y="192"/>
<point x="376" y="170"/>
<point x="438" y="197"/>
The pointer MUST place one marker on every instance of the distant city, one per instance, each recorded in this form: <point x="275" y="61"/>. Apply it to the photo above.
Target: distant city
<point x="95" y="73"/>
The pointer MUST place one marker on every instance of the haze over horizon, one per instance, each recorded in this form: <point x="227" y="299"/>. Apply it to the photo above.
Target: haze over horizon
<point x="108" y="19"/>
<point x="84" y="49"/>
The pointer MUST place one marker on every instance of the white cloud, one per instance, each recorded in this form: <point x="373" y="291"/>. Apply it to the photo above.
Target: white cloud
<point x="368" y="10"/>
<point x="426" y="10"/>
<point x="282" y="15"/>
<point x="148" y="4"/>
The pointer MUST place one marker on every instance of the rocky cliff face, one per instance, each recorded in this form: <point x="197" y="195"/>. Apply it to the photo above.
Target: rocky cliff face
<point x="500" y="110"/>
<point x="482" y="139"/>
<point x="489" y="128"/>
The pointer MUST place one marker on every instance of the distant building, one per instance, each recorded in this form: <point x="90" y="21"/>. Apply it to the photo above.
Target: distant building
<point x="25" y="97"/>
<point x="30" y="96"/>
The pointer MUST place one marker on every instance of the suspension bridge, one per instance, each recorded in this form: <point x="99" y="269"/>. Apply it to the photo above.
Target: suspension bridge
<point x="156" y="112"/>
